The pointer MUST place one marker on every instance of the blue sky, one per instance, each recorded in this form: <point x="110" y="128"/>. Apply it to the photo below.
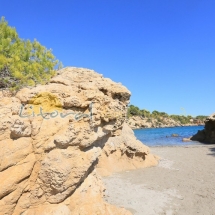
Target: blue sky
<point x="162" y="51"/>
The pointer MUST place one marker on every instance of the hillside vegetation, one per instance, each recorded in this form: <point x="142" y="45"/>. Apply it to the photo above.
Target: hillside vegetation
<point x="22" y="62"/>
<point x="162" y="117"/>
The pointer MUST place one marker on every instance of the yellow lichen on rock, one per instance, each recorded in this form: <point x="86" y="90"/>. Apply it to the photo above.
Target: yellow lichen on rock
<point x="45" y="101"/>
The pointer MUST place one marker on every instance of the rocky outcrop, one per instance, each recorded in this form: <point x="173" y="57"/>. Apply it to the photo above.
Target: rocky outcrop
<point x="207" y="135"/>
<point x="187" y="139"/>
<point x="137" y="122"/>
<point x="55" y="138"/>
<point x="119" y="149"/>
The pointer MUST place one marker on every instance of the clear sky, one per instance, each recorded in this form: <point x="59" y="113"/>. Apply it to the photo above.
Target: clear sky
<point x="162" y="51"/>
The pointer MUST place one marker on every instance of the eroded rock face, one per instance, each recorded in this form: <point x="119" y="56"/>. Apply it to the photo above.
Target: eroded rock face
<point x="124" y="152"/>
<point x="207" y="135"/>
<point x="52" y="138"/>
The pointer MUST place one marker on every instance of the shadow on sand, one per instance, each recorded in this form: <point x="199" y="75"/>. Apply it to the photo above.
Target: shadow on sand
<point x="212" y="151"/>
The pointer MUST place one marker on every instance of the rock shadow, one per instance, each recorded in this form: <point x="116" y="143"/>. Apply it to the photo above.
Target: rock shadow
<point x="212" y="151"/>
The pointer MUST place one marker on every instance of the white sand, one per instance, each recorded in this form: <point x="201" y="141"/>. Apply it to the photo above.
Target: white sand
<point x="183" y="183"/>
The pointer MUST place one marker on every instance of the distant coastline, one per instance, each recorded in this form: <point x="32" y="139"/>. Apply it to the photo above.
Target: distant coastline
<point x="138" y="122"/>
<point x="190" y="125"/>
<point x="138" y="119"/>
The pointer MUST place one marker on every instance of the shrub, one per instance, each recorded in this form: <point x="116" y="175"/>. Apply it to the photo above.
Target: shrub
<point x="22" y="62"/>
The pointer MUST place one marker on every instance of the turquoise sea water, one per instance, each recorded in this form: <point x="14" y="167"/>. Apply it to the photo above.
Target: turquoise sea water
<point x="162" y="136"/>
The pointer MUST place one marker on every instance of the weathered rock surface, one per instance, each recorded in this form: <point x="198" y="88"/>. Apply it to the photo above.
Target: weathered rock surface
<point x="54" y="137"/>
<point x="174" y="135"/>
<point x="186" y="139"/>
<point x="124" y="152"/>
<point x="207" y="135"/>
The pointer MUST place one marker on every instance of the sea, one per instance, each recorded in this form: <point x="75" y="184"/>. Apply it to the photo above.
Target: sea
<point x="162" y="136"/>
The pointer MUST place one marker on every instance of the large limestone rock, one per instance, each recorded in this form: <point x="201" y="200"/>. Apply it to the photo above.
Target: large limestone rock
<point x="124" y="152"/>
<point x="53" y="137"/>
<point x="89" y="201"/>
<point x="207" y="135"/>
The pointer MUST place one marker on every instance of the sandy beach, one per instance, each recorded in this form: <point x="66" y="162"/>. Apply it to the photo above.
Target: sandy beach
<point x="182" y="184"/>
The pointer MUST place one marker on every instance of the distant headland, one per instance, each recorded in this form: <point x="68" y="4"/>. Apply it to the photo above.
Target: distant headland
<point x="138" y="118"/>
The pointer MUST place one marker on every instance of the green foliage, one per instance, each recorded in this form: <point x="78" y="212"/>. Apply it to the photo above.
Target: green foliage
<point x="181" y="118"/>
<point x="145" y="113"/>
<point x="201" y="118"/>
<point x="22" y="62"/>
<point x="133" y="111"/>
<point x="161" y="116"/>
<point x="155" y="113"/>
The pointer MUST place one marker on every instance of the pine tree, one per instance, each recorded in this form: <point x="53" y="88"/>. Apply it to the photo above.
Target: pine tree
<point x="22" y="62"/>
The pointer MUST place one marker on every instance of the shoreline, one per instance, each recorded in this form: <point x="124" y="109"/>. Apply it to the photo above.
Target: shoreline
<point x="136" y="121"/>
<point x="182" y="183"/>
<point x="178" y="136"/>
<point x="179" y="146"/>
<point x="169" y="127"/>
